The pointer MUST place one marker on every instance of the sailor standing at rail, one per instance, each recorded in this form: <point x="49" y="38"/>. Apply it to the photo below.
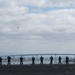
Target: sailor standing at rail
<point x="41" y="60"/>
<point x="51" y="60"/>
<point x="59" y="60"/>
<point x="0" y="60"/>
<point x="9" y="60"/>
<point x="21" y="60"/>
<point x="67" y="59"/>
<point x="33" y="60"/>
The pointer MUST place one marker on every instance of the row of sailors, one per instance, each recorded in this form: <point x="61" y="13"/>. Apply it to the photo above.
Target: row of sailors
<point x="33" y="60"/>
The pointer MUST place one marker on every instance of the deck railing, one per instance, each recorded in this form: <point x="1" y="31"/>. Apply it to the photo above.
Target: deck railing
<point x="25" y="59"/>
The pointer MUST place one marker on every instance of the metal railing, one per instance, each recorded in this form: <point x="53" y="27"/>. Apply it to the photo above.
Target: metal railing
<point x="25" y="59"/>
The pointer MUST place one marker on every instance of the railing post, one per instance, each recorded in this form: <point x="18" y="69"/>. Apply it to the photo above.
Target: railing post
<point x="55" y="59"/>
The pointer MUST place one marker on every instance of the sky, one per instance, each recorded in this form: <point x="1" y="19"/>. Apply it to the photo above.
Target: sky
<point x="37" y="26"/>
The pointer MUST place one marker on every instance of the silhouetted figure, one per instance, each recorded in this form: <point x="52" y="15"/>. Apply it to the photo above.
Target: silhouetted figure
<point x="0" y="61"/>
<point x="9" y="60"/>
<point x="33" y="60"/>
<point x="67" y="59"/>
<point x="41" y="60"/>
<point x="51" y="60"/>
<point x="59" y="60"/>
<point x="21" y="60"/>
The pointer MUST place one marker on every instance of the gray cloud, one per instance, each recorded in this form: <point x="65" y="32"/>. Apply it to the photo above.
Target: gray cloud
<point x="24" y="31"/>
<point x="47" y="3"/>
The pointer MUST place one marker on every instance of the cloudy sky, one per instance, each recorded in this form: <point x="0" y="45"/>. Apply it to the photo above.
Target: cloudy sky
<point x="37" y="26"/>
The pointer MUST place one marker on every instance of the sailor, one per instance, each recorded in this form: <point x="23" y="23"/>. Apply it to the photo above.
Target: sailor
<point x="59" y="60"/>
<point x="33" y="60"/>
<point x="9" y="60"/>
<point x="67" y="59"/>
<point x="51" y="60"/>
<point x="41" y="60"/>
<point x="0" y="60"/>
<point x="21" y="60"/>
